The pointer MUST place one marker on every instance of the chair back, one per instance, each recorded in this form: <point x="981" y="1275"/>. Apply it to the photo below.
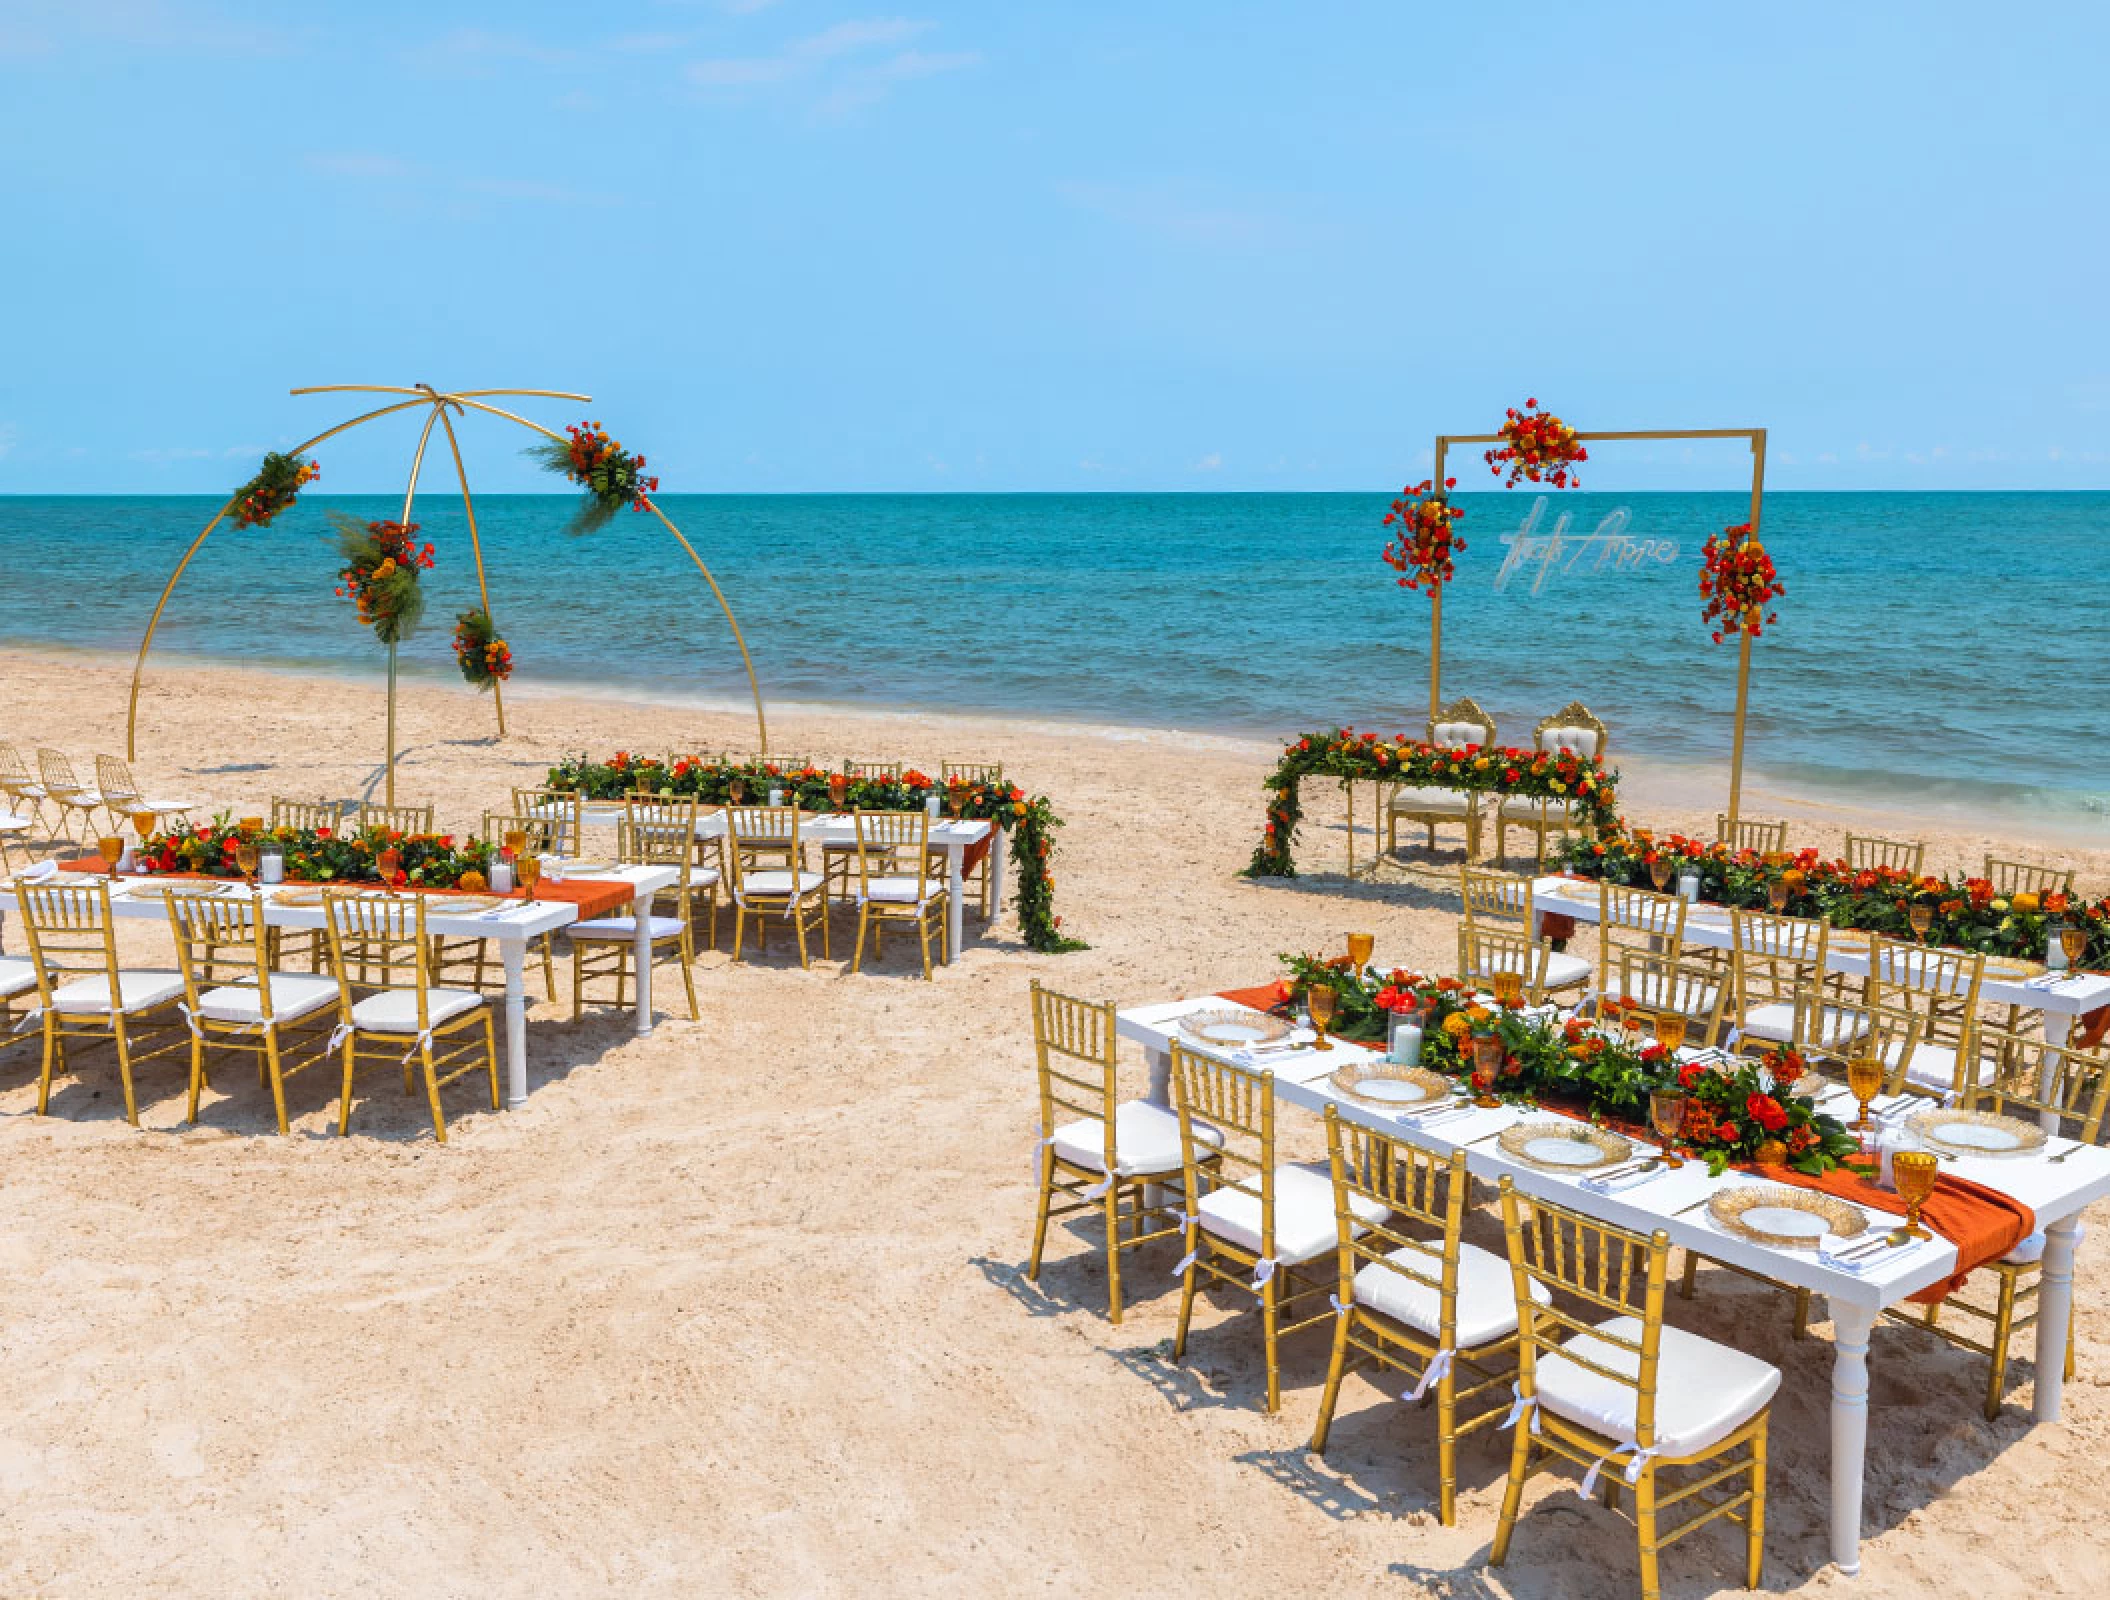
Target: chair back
<point x="2019" y="1072"/>
<point x="1572" y="729"/>
<point x="309" y="816"/>
<point x="397" y="819"/>
<point x="1073" y="1050"/>
<point x="562" y="811"/>
<point x="1500" y="898"/>
<point x="873" y="771"/>
<point x="1941" y="983"/>
<point x="221" y="939"/>
<point x="1584" y="1266"/>
<point x="1661" y="982"/>
<point x="1834" y="1029"/>
<point x="541" y="832"/>
<point x="1866" y="850"/>
<point x="69" y="931"/>
<point x="1484" y="951"/>
<point x="951" y="772"/>
<point x="1764" y="837"/>
<point x="384" y="939"/>
<point x="14" y="771"/>
<point x="761" y="838"/>
<point x="2010" y="878"/>
<point x="1239" y="1104"/>
<point x="57" y="773"/>
<point x="659" y="833"/>
<point x="1462" y="722"/>
<point x="1771" y="957"/>
<point x="114" y="779"/>
<point x="1423" y="1192"/>
<point x="893" y="844"/>
<point x="1636" y="919"/>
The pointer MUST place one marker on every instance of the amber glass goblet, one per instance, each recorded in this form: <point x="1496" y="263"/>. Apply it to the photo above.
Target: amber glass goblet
<point x="1323" y="999"/>
<point x="1659" y="874"/>
<point x="1508" y="986"/>
<point x="1777" y="895"/>
<point x="248" y="855"/>
<point x="1915" y="1172"/>
<point x="1921" y="917"/>
<point x="112" y="848"/>
<point x="1670" y="1029"/>
<point x="143" y="824"/>
<point x="1488" y="1051"/>
<point x="2073" y="939"/>
<point x="1864" y="1080"/>
<point x="1359" y="947"/>
<point x="1666" y="1114"/>
<point x="527" y="872"/>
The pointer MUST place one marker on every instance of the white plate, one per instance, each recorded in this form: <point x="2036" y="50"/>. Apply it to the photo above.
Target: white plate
<point x="1979" y="1136"/>
<point x="1397" y="1090"/>
<point x="1783" y="1220"/>
<point x="1555" y="1151"/>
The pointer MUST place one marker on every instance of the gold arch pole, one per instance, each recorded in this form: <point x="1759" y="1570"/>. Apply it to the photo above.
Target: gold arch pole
<point x="476" y="549"/>
<point x="1757" y="440"/>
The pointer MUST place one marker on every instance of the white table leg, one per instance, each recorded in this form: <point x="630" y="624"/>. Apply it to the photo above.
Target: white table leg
<point x="513" y="953"/>
<point x="641" y="953"/>
<point x="1160" y="1091"/>
<point x="1851" y="1326"/>
<point x="998" y="849"/>
<point x="2054" y="1315"/>
<point x="2058" y="1028"/>
<point x="955" y="900"/>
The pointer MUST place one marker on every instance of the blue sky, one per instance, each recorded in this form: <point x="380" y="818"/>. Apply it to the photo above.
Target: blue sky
<point x="796" y="245"/>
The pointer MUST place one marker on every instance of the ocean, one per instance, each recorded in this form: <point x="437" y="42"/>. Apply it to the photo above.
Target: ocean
<point x="1939" y="649"/>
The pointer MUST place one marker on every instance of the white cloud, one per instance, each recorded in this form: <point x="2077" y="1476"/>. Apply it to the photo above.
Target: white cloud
<point x="840" y="62"/>
<point x="1211" y="462"/>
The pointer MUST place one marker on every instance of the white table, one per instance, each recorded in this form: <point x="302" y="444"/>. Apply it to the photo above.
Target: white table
<point x="2057" y="1193"/>
<point x="511" y="928"/>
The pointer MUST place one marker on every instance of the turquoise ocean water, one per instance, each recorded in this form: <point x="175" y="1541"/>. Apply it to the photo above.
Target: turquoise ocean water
<point x="1934" y="649"/>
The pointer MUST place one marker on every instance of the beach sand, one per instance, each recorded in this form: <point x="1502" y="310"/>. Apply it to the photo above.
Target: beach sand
<point x="739" y="1309"/>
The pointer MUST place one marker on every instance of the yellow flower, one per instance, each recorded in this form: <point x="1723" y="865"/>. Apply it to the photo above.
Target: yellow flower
<point x="2025" y="902"/>
<point x="1456" y="1026"/>
<point x="1480" y="765"/>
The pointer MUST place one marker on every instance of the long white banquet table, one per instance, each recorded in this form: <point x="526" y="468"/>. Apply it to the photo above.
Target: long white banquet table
<point x="952" y="838"/>
<point x="2058" y="1191"/>
<point x="512" y="927"/>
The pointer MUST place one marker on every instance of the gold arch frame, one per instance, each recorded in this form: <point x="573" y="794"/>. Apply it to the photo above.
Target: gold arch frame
<point x="439" y="403"/>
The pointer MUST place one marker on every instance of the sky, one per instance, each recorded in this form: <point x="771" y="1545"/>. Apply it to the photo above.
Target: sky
<point x="796" y="245"/>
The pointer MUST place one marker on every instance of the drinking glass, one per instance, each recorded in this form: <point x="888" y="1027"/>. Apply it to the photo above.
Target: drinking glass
<point x="251" y="825"/>
<point x="1359" y="947"/>
<point x="1864" y="1079"/>
<point x="248" y="855"/>
<point x="528" y="872"/>
<point x="2073" y="939"/>
<point x="1670" y="1030"/>
<point x="1659" y="872"/>
<point x="1921" y="918"/>
<point x="838" y="787"/>
<point x="1322" y="998"/>
<point x="143" y="824"/>
<point x="1488" y="1051"/>
<point x="516" y="842"/>
<point x="738" y="790"/>
<point x="1666" y="1114"/>
<point x="1777" y="895"/>
<point x="1915" y="1172"/>
<point x="1509" y="987"/>
<point x="112" y="847"/>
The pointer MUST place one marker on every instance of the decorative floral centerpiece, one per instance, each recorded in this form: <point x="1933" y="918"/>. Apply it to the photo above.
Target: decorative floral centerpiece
<point x="611" y="477"/>
<point x="479" y="652"/>
<point x="1733" y="1110"/>
<point x="1737" y="583"/>
<point x="1538" y="446"/>
<point x="323" y="855"/>
<point x="276" y="486"/>
<point x="382" y="561"/>
<point x="1425" y="545"/>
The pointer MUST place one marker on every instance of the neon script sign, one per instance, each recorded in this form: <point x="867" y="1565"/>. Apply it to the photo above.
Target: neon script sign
<point x="1559" y="549"/>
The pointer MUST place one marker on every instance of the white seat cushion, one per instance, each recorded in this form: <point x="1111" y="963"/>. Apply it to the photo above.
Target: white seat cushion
<point x="10" y="823"/>
<point x="1578" y="741"/>
<point x="16" y="976"/>
<point x="396" y="1010"/>
<point x="1146" y="1140"/>
<point x="1933" y="1066"/>
<point x="1680" y="992"/>
<point x="1487" y="1297"/>
<point x="1776" y="1020"/>
<point x="1704" y="1391"/>
<point x="777" y="881"/>
<point x="1416" y="801"/>
<point x="1304" y="1223"/>
<point x="293" y="995"/>
<point x="624" y="928"/>
<point x="902" y="891"/>
<point x="1563" y="971"/>
<point x="2031" y="1250"/>
<point x="702" y="877"/>
<point x="137" y="991"/>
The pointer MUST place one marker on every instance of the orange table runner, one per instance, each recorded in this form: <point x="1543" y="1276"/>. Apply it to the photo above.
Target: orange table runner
<point x="595" y="897"/>
<point x="1982" y="1223"/>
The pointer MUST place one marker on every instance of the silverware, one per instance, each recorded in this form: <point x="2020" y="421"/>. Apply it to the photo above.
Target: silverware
<point x="1486" y="1136"/>
<point x="1869" y="1249"/>
<point x="2063" y="1154"/>
<point x="1694" y="1206"/>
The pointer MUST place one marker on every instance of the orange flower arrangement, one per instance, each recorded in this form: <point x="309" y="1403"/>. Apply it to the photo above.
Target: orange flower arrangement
<point x="1538" y="446"/>
<point x="1425" y="545"/>
<point x="1737" y="583"/>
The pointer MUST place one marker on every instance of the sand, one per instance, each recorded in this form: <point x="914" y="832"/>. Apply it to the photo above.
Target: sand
<point x="738" y="1308"/>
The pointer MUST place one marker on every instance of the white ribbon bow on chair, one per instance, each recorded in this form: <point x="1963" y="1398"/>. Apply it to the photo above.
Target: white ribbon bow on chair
<point x="33" y="1014"/>
<point x="338" y="1035"/>
<point x="423" y="1040"/>
<point x="1633" y="1468"/>
<point x="1188" y="1220"/>
<point x="1263" y="1270"/>
<point x="1437" y="1369"/>
<point x="1520" y="1407"/>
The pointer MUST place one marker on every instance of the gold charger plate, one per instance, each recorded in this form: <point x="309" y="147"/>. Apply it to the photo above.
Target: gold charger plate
<point x="1390" y="1086"/>
<point x="1975" y="1133"/>
<point x="181" y="889"/>
<point x="1233" y="1027"/>
<point x="1564" y="1145"/>
<point x="2009" y="968"/>
<point x="581" y="869"/>
<point x="301" y="894"/>
<point x="1784" y="1218"/>
<point x="1848" y="938"/>
<point x="447" y="904"/>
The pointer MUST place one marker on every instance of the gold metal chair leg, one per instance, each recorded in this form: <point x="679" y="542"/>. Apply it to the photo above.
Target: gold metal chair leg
<point x="278" y="1081"/>
<point x="1113" y="1226"/>
<point x="688" y="971"/>
<point x="197" y="1074"/>
<point x="1336" y="1369"/>
<point x="1512" y="1493"/>
<point x="1755" y="1524"/>
<point x="2003" y="1332"/>
<point x="1187" y="1288"/>
<point x="1802" y="1314"/>
<point x="1447" y="1451"/>
<point x="1687" y="1284"/>
<point x="857" y="956"/>
<point x="1040" y="1222"/>
<point x="124" y="1065"/>
<point x="491" y="1058"/>
<point x="432" y="1093"/>
<point x="1645" y="1525"/>
<point x="1268" y="1321"/>
<point x="344" y="1097"/>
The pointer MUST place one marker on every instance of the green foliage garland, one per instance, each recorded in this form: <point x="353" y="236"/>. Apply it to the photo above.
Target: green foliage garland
<point x="276" y="486"/>
<point x="479" y="652"/>
<point x="611" y="477"/>
<point x="382" y="561"/>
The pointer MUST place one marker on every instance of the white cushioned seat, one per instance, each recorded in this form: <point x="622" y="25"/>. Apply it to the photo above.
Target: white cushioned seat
<point x="624" y="928"/>
<point x="1704" y="1391"/>
<point x="1776" y="1021"/>
<point x="1456" y="735"/>
<point x="1146" y="1140"/>
<point x="10" y="823"/>
<point x="1933" y="1066"/>
<point x="293" y="995"/>
<point x="1304" y="1223"/>
<point x="1448" y="801"/>
<point x="2031" y="1250"/>
<point x="16" y="976"/>
<point x="396" y="1010"/>
<point x="1487" y="1297"/>
<point x="902" y="891"/>
<point x="778" y="881"/>
<point x="1562" y="971"/>
<point x="1576" y="741"/>
<point x="136" y="991"/>
<point x="1667" y="991"/>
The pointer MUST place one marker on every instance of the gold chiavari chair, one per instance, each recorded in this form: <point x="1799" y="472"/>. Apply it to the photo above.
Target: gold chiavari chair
<point x="874" y="771"/>
<point x="66" y="791"/>
<point x="897" y="883"/>
<point x="660" y="833"/>
<point x="19" y="784"/>
<point x="560" y="817"/>
<point x="2019" y="1073"/>
<point x="1682" y="988"/>
<point x="765" y="864"/>
<point x="1941" y="985"/>
<point x="1265" y="1228"/>
<point x="1764" y="837"/>
<point x="82" y="992"/>
<point x="1095" y="1132"/>
<point x="1460" y="723"/>
<point x="970" y="772"/>
<point x="123" y="798"/>
<point x="1503" y="900"/>
<point x="233" y="1000"/>
<point x="397" y="819"/>
<point x="1865" y="851"/>
<point x="1574" y="730"/>
<point x="1771" y="959"/>
<point x="1485" y="951"/>
<point x="1636" y="920"/>
<point x="2010" y="878"/>
<point x="1423" y="1302"/>
<point x="448" y="1031"/>
<point x="308" y="816"/>
<point x="978" y="877"/>
<point x="1627" y="1392"/>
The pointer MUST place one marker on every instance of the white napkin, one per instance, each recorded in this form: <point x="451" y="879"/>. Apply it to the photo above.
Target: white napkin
<point x="1833" y="1251"/>
<point x="1615" y="1180"/>
<point x="39" y="872"/>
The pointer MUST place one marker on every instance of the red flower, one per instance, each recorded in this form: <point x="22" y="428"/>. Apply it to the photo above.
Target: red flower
<point x="1766" y="1112"/>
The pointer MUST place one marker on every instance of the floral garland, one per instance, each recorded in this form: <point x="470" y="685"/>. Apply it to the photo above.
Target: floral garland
<point x="1738" y="582"/>
<point x="382" y="561"/>
<point x="323" y="855"/>
<point x="275" y="487"/>
<point x="1030" y="821"/>
<point x="1555" y="775"/>
<point x="479" y="652"/>
<point x="1425" y="544"/>
<point x="611" y="477"/>
<point x="1539" y="446"/>
<point x="1968" y="912"/>
<point x="1598" y="1068"/>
